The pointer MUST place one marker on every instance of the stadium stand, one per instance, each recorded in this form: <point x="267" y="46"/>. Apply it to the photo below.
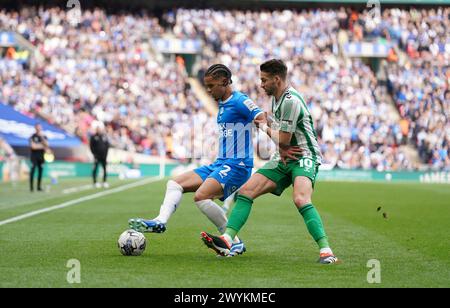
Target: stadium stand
<point x="107" y="70"/>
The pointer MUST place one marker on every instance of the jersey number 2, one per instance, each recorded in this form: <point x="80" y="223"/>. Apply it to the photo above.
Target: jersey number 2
<point x="224" y="172"/>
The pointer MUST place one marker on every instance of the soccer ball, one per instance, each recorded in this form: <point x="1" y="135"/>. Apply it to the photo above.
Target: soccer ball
<point x="132" y="243"/>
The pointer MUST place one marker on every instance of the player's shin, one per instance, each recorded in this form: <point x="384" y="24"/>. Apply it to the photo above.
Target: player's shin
<point x="314" y="225"/>
<point x="172" y="199"/>
<point x="214" y="213"/>
<point x="239" y="215"/>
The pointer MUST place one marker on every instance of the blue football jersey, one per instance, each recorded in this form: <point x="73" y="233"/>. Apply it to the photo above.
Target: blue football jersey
<point x="235" y="120"/>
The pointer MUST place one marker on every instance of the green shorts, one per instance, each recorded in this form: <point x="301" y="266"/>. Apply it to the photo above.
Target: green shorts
<point x="284" y="175"/>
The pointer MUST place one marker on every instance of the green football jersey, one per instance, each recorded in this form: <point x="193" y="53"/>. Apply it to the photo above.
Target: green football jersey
<point x="291" y="115"/>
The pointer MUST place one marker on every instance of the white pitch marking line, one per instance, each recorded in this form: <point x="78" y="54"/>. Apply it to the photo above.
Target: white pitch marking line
<point x="79" y="200"/>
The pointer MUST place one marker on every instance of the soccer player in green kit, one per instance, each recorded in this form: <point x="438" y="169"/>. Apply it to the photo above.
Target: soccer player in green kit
<point x="292" y="126"/>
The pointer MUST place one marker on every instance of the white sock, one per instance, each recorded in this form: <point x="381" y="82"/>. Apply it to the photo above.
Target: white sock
<point x="228" y="202"/>
<point x="172" y="199"/>
<point x="326" y="250"/>
<point x="228" y="239"/>
<point x="214" y="212"/>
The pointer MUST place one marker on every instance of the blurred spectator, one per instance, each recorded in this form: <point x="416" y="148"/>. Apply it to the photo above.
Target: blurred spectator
<point x="38" y="146"/>
<point x="99" y="146"/>
<point x="6" y="151"/>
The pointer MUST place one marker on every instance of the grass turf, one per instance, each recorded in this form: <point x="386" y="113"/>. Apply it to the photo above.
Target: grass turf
<point x="411" y="243"/>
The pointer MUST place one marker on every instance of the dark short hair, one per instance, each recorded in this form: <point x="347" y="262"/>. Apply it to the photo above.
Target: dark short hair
<point x="274" y="67"/>
<point x="219" y="70"/>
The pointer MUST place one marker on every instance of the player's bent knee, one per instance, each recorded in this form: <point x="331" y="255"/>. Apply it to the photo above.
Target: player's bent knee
<point x="302" y="200"/>
<point x="246" y="192"/>
<point x="200" y="197"/>
<point x="249" y="194"/>
<point x="174" y="185"/>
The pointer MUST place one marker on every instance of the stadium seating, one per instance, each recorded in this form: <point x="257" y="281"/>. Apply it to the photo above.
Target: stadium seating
<point x="105" y="70"/>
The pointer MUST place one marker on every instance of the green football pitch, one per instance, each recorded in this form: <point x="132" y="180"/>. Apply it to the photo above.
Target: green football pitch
<point x="404" y="227"/>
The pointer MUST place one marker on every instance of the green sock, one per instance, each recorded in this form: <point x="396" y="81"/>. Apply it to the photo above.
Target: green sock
<point x="239" y="215"/>
<point x="314" y="224"/>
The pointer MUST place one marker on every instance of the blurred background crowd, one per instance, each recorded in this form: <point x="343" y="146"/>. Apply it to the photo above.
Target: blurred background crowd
<point x="104" y="70"/>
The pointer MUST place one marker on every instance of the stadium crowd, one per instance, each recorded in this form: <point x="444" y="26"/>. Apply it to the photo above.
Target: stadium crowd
<point x="355" y="126"/>
<point x="104" y="70"/>
<point x="420" y="84"/>
<point x="100" y="71"/>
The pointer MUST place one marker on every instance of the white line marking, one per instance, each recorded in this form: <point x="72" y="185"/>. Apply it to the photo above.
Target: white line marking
<point x="79" y="200"/>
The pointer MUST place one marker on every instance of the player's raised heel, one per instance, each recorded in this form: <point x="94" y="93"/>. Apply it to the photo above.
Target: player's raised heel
<point x="215" y="243"/>
<point x="143" y="225"/>
<point x="328" y="259"/>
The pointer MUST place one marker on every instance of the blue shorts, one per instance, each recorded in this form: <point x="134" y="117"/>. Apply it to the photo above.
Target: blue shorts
<point x="230" y="176"/>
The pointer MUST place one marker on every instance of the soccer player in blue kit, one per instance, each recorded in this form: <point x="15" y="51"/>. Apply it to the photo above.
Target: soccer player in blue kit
<point x="232" y="168"/>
